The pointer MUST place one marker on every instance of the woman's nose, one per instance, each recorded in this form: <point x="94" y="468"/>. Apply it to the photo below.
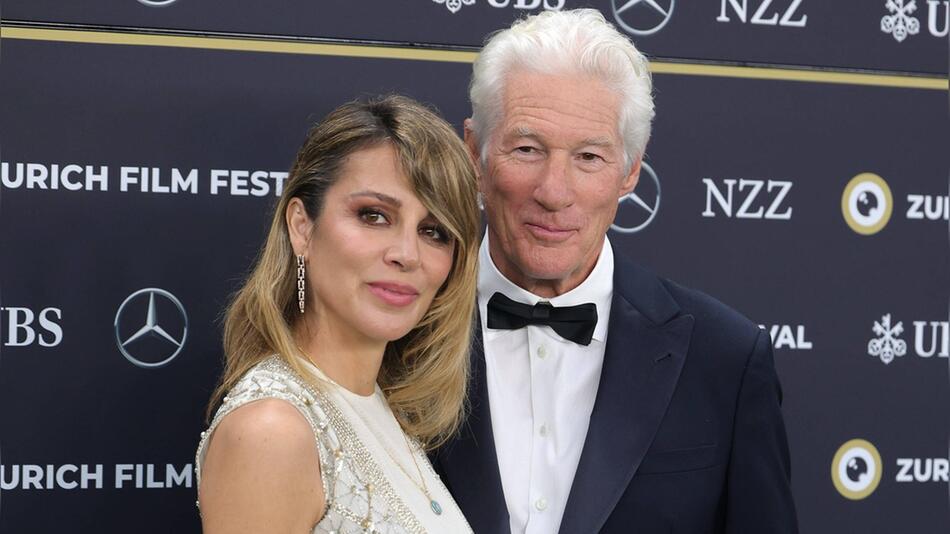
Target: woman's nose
<point x="404" y="252"/>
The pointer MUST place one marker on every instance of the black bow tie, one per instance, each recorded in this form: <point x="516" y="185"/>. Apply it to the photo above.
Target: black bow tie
<point x="574" y="323"/>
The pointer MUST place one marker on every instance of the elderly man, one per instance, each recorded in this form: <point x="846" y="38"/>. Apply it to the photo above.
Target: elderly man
<point x="604" y="399"/>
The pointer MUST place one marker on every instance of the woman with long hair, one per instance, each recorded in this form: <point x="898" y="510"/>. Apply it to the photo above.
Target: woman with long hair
<point x="346" y="351"/>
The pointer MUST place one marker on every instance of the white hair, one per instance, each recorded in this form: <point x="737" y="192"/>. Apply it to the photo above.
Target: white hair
<point x="574" y="42"/>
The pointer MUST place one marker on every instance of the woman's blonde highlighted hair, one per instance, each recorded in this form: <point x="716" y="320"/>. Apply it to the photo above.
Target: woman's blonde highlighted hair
<point x="424" y="374"/>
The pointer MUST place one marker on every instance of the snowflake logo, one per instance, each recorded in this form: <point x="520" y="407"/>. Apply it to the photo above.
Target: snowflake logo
<point x="886" y="345"/>
<point x="455" y="5"/>
<point x="900" y="23"/>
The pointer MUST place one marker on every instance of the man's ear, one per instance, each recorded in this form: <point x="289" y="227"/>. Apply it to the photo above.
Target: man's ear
<point x="474" y="150"/>
<point x="630" y="181"/>
<point x="299" y="226"/>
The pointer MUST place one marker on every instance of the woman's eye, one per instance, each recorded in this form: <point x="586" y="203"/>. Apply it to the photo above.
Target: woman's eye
<point x="436" y="233"/>
<point x="372" y="216"/>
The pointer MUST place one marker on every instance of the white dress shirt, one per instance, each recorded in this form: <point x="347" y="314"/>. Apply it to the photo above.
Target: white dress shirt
<point x="541" y="389"/>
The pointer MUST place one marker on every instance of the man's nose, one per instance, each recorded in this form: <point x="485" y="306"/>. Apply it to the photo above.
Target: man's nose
<point x="555" y="188"/>
<point x="403" y="252"/>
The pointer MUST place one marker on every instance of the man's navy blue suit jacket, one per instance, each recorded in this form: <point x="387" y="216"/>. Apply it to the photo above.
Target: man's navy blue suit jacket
<point x="686" y="435"/>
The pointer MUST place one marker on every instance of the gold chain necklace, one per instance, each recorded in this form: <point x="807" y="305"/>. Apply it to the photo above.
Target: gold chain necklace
<point x="424" y="488"/>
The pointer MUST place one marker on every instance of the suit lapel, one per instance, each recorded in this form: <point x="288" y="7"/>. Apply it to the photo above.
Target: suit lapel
<point x="646" y="346"/>
<point x="469" y="463"/>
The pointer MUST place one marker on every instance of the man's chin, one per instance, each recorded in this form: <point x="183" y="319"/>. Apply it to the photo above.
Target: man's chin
<point x="548" y="272"/>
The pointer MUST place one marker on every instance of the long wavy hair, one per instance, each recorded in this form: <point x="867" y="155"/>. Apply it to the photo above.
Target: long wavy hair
<point x="424" y="375"/>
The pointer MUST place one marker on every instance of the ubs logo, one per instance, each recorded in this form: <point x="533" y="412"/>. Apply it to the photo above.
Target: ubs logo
<point x="550" y="5"/>
<point x="901" y="21"/>
<point x="887" y="344"/>
<point x="856" y="469"/>
<point x="638" y="208"/>
<point x="867" y="203"/>
<point x="151" y="327"/>
<point x="454" y="5"/>
<point x="157" y="3"/>
<point x="930" y="339"/>
<point x="642" y="17"/>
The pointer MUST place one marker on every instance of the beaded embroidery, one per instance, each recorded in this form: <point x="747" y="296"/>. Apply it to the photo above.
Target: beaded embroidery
<point x="359" y="499"/>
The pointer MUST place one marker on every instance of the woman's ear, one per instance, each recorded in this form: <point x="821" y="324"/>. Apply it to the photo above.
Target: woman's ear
<point x="299" y="226"/>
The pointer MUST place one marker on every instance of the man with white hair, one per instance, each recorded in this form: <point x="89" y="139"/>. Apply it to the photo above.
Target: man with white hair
<point x="603" y="398"/>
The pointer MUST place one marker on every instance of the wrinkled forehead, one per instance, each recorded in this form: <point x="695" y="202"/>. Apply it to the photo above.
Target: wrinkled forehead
<point x="575" y="105"/>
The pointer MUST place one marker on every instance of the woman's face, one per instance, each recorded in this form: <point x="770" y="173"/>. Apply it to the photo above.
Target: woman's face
<point x="375" y="257"/>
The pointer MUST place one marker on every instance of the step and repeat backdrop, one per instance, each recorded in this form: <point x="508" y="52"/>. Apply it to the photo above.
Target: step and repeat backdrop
<point x="798" y="171"/>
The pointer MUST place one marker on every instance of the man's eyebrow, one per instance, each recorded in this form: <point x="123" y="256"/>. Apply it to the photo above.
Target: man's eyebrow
<point x="378" y="196"/>
<point x="523" y="131"/>
<point x="598" y="141"/>
<point x="604" y="142"/>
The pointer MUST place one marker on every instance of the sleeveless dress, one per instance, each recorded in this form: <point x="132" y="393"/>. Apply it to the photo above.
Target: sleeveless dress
<point x="369" y="478"/>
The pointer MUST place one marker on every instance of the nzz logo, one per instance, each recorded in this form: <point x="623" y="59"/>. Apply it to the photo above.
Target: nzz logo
<point x="761" y="15"/>
<point x="755" y="204"/>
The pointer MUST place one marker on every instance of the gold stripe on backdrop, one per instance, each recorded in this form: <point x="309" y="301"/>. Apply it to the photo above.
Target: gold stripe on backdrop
<point x="427" y="54"/>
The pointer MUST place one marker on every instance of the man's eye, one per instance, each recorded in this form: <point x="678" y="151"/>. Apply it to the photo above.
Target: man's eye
<point x="590" y="156"/>
<point x="372" y="216"/>
<point x="525" y="149"/>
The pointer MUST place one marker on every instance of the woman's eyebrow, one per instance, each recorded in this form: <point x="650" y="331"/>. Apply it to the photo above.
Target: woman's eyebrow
<point x="378" y="196"/>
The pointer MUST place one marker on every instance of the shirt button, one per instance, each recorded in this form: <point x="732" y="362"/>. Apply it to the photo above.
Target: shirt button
<point x="542" y="352"/>
<point x="541" y="504"/>
<point x="543" y="431"/>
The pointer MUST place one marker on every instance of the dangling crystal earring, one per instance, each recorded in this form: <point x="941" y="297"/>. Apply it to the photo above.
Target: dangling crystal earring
<point x="301" y="275"/>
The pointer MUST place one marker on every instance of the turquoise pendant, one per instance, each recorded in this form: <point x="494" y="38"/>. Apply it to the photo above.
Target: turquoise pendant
<point x="436" y="507"/>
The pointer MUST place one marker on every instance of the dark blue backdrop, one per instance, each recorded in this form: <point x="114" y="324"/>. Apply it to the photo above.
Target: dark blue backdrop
<point x="761" y="127"/>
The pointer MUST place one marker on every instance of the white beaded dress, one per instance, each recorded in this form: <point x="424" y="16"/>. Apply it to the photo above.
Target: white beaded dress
<point x="359" y="443"/>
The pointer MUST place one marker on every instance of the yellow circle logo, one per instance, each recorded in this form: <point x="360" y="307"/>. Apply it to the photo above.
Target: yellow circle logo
<point x="867" y="203"/>
<point x="856" y="469"/>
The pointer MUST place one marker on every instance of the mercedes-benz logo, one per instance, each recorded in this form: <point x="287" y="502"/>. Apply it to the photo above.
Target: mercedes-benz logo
<point x="157" y="3"/>
<point x="162" y="336"/>
<point x="644" y="202"/>
<point x="642" y="17"/>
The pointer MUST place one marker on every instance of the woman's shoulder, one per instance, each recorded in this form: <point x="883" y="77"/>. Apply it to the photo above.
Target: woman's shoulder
<point x="269" y="400"/>
<point x="268" y="429"/>
<point x="262" y="453"/>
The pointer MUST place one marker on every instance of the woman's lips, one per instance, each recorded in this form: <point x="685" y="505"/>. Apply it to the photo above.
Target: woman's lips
<point x="393" y="293"/>
<point x="549" y="233"/>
